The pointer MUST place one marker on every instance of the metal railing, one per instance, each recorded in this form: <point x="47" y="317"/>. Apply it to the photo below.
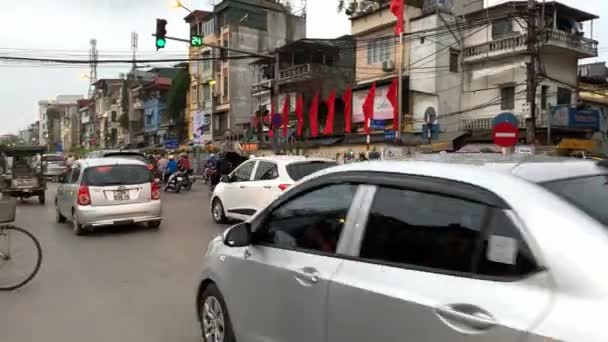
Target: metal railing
<point x="519" y="42"/>
<point x="294" y="71"/>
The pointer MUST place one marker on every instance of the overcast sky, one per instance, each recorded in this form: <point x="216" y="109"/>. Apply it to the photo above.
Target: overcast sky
<point x="63" y="28"/>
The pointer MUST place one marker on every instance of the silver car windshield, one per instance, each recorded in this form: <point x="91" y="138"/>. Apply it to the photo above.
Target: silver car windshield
<point x="589" y="194"/>
<point x="117" y="175"/>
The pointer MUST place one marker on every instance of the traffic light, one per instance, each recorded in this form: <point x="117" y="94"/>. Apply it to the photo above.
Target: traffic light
<point x="161" y="32"/>
<point x="196" y="40"/>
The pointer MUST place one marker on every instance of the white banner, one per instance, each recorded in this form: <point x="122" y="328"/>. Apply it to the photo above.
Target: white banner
<point x="383" y="109"/>
<point x="198" y="123"/>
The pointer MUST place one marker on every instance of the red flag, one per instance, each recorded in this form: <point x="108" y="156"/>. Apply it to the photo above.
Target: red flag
<point x="392" y="98"/>
<point x="331" y="107"/>
<point x="397" y="9"/>
<point x="313" y="119"/>
<point x="368" y="107"/>
<point x="285" y="118"/>
<point x="347" y="98"/>
<point x="300" y="115"/>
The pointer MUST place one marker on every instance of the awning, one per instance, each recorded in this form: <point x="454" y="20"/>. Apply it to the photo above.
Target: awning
<point x="577" y="144"/>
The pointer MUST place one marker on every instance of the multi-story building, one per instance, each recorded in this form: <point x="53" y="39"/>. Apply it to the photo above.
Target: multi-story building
<point x="424" y="67"/>
<point x="150" y="103"/>
<point x="223" y="88"/>
<point x="468" y="63"/>
<point x="43" y="133"/>
<point x="107" y="93"/>
<point x="307" y="67"/>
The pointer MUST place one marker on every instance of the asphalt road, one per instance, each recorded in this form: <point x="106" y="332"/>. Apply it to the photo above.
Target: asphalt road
<point x="119" y="284"/>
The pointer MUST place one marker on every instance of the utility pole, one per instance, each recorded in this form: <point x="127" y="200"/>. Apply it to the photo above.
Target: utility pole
<point x="275" y="101"/>
<point x="134" y="39"/>
<point x="532" y="71"/>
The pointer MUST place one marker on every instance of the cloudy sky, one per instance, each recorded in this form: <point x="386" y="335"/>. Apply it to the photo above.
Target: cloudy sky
<point x="63" y="28"/>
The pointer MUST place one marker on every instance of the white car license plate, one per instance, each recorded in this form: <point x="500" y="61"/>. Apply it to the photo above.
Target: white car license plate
<point x="121" y="195"/>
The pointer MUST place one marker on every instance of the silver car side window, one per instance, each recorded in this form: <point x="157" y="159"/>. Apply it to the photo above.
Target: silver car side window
<point x="313" y="221"/>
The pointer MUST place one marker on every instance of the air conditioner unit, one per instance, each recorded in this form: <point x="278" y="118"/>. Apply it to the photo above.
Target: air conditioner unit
<point x="388" y="66"/>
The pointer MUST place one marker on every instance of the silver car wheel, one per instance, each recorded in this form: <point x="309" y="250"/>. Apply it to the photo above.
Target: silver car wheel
<point x="213" y="320"/>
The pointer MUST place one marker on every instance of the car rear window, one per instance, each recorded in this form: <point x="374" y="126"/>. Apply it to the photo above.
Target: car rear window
<point x="298" y="171"/>
<point x="135" y="156"/>
<point x="117" y="175"/>
<point x="589" y="194"/>
<point x="53" y="158"/>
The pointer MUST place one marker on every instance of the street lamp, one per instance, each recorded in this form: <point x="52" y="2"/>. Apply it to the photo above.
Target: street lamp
<point x="178" y="4"/>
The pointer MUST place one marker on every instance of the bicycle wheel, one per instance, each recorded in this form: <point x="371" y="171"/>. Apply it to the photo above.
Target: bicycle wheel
<point x="20" y="257"/>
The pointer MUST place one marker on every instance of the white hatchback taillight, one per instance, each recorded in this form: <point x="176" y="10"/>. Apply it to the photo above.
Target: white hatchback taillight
<point x="284" y="187"/>
<point x="84" y="197"/>
<point x="155" y="190"/>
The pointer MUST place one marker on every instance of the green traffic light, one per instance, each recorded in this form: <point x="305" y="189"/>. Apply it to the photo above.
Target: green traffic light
<point x="161" y="42"/>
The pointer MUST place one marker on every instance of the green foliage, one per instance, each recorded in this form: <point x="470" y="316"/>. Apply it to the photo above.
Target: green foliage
<point x="177" y="101"/>
<point x="351" y="7"/>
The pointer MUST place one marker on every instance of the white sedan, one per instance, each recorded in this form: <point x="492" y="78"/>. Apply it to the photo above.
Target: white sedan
<point x="257" y="182"/>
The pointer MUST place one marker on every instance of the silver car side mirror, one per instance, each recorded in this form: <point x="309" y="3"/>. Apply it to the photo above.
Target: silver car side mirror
<point x="238" y="235"/>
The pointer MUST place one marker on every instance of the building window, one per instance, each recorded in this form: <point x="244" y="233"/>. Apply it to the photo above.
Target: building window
<point x="225" y="83"/>
<point x="206" y="56"/>
<point x="544" y="91"/>
<point x="507" y="95"/>
<point x="454" y="60"/>
<point x="564" y="96"/>
<point x="113" y="116"/>
<point x="208" y="28"/>
<point x="379" y="51"/>
<point x="194" y="95"/>
<point x="206" y="92"/>
<point x="225" y="37"/>
<point x="502" y="28"/>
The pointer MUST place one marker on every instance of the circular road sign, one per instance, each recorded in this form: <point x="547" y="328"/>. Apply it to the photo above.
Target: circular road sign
<point x="505" y="134"/>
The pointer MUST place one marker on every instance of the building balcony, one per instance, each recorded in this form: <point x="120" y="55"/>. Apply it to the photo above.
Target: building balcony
<point x="516" y="44"/>
<point x="485" y="123"/>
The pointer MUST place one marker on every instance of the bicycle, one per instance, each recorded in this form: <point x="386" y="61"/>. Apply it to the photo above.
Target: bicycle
<point x="17" y="266"/>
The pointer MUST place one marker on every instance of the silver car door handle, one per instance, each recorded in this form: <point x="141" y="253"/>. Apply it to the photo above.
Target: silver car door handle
<point x="307" y="275"/>
<point x="267" y="187"/>
<point x="476" y="320"/>
<point x="242" y="186"/>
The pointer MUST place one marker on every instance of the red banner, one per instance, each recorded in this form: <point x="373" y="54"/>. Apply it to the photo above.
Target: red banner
<point x="313" y="116"/>
<point x="331" y="107"/>
<point x="368" y="107"/>
<point x="300" y="115"/>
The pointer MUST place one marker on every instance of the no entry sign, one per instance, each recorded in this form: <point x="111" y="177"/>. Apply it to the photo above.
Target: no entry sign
<point x="505" y="134"/>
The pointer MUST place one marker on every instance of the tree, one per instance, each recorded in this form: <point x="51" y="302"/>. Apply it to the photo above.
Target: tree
<point x="351" y="7"/>
<point x="177" y="100"/>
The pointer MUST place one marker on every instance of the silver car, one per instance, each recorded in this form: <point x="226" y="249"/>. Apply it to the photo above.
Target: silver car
<point x="417" y="251"/>
<point x="108" y="191"/>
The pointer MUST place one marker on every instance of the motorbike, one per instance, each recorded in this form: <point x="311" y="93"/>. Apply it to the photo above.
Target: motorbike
<point x="179" y="180"/>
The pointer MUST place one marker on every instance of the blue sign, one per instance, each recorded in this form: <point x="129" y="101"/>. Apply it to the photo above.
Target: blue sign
<point x="377" y="124"/>
<point x="390" y="135"/>
<point x="171" y="144"/>
<point x="277" y="120"/>
<point x="573" y="118"/>
<point x="505" y="117"/>
<point x="59" y="147"/>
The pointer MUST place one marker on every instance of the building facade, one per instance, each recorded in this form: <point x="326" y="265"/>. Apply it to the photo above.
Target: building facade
<point x="222" y="89"/>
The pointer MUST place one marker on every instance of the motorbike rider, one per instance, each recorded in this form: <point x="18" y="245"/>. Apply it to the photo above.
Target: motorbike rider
<point x="184" y="166"/>
<point x="223" y="168"/>
<point x="171" y="167"/>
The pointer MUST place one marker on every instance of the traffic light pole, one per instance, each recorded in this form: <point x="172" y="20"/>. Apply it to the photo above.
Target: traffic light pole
<point x="250" y="53"/>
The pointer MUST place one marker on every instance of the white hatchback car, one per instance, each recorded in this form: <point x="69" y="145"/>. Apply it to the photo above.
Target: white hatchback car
<point x="108" y="191"/>
<point x="257" y="182"/>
